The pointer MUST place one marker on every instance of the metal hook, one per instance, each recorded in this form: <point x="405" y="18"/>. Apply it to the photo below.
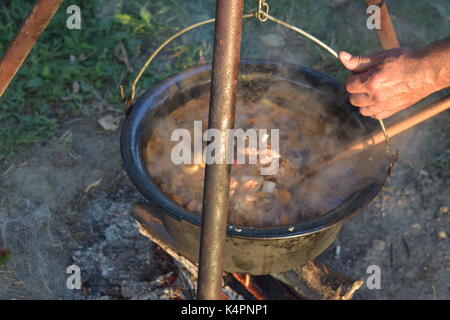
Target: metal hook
<point x="263" y="11"/>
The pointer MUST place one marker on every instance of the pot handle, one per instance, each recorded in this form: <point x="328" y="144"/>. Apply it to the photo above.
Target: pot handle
<point x="153" y="225"/>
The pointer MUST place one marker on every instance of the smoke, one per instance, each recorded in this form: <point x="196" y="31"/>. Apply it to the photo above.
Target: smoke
<point x="311" y="126"/>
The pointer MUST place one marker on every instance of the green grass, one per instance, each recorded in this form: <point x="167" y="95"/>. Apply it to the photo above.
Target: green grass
<point x="42" y="95"/>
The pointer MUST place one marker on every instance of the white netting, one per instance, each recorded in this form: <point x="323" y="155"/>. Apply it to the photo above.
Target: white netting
<point x="35" y="256"/>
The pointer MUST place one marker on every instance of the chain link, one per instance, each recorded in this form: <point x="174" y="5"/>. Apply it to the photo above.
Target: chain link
<point x="263" y="11"/>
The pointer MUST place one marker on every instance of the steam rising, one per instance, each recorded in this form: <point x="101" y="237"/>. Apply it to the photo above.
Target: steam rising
<point x="311" y="127"/>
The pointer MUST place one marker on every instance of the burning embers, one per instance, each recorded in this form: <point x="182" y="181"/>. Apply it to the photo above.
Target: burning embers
<point x="243" y="147"/>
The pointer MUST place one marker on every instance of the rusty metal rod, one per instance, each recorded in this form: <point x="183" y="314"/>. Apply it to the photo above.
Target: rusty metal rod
<point x="19" y="48"/>
<point x="386" y="35"/>
<point x="377" y="137"/>
<point x="217" y="176"/>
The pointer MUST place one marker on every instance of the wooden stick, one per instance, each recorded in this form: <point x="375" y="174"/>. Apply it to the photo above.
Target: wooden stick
<point x="378" y="136"/>
<point x="386" y="34"/>
<point x="317" y="281"/>
<point x="403" y="125"/>
<point x="246" y="281"/>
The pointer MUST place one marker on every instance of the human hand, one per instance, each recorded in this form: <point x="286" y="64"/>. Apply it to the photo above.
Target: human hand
<point x="389" y="81"/>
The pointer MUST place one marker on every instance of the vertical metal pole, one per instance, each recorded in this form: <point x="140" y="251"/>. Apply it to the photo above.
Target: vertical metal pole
<point x="36" y="22"/>
<point x="221" y="116"/>
<point x="387" y="35"/>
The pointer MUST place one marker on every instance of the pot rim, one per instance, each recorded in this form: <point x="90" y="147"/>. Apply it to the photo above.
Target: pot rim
<point x="131" y="142"/>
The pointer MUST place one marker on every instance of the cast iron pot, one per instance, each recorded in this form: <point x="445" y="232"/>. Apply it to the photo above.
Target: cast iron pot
<point x="248" y="250"/>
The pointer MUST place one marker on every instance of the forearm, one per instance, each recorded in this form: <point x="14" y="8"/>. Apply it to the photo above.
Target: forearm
<point x="436" y="60"/>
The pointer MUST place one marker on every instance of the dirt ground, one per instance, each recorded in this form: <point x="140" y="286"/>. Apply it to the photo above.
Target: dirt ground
<point x="49" y="220"/>
<point x="404" y="230"/>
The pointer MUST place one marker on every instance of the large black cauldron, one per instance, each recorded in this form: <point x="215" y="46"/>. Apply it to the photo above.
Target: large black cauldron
<point x="248" y="250"/>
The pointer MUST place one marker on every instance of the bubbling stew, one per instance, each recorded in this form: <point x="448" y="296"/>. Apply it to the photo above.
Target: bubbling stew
<point x="307" y="132"/>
